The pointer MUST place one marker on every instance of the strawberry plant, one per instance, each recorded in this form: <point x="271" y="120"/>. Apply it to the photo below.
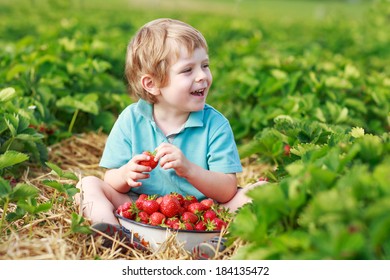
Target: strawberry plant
<point x="24" y="196"/>
<point x="18" y="141"/>
<point x="21" y="202"/>
<point x="329" y="203"/>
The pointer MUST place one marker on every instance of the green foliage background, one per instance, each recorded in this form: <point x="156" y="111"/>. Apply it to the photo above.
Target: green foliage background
<point x="313" y="76"/>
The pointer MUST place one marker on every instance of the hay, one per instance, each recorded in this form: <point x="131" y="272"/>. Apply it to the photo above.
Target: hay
<point x="47" y="236"/>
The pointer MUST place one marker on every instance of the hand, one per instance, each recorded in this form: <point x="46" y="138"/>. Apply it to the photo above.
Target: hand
<point x="169" y="156"/>
<point x="133" y="171"/>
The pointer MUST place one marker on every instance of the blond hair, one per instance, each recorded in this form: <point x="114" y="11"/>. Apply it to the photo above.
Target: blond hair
<point x="154" y="48"/>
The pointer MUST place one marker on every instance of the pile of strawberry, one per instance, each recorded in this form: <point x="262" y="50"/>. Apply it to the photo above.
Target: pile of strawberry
<point x="177" y="212"/>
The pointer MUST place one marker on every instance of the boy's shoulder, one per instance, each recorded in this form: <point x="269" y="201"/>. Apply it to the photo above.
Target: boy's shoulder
<point x="211" y="112"/>
<point x="137" y="109"/>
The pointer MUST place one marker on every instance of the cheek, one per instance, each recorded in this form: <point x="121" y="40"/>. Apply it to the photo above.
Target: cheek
<point x="211" y="79"/>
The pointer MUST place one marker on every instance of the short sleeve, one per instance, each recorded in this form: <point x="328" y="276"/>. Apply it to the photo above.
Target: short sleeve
<point x="117" y="151"/>
<point x="222" y="153"/>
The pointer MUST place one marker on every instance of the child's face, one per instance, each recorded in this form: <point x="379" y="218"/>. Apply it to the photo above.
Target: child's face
<point x="189" y="82"/>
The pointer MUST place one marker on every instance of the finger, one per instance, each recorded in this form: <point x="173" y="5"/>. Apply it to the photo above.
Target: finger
<point x="168" y="165"/>
<point x="140" y="157"/>
<point x="135" y="176"/>
<point x="160" y="154"/>
<point x="138" y="168"/>
<point x="134" y="184"/>
<point x="165" y="159"/>
<point x="132" y="181"/>
<point x="162" y="150"/>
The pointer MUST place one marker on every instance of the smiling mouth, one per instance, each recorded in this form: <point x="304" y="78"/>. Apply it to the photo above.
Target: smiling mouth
<point x="199" y="92"/>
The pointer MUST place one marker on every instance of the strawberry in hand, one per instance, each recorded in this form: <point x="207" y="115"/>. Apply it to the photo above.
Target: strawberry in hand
<point x="151" y="162"/>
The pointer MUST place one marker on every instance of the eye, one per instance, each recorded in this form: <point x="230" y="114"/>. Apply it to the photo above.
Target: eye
<point x="187" y="70"/>
<point x="206" y="65"/>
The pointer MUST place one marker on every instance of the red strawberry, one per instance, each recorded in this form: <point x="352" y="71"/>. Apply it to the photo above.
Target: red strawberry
<point x="156" y="219"/>
<point x="209" y="215"/>
<point x="175" y="225"/>
<point x="219" y="224"/>
<point x="150" y="205"/>
<point x="179" y="197"/>
<point x="188" y="199"/>
<point x="140" y="201"/>
<point x="127" y="215"/>
<point x="169" y="206"/>
<point x="201" y="226"/>
<point x="151" y="162"/>
<point x="196" y="208"/>
<point x="186" y="226"/>
<point x="263" y="179"/>
<point x="181" y="210"/>
<point x="208" y="202"/>
<point x="286" y="150"/>
<point x="171" y="221"/>
<point x="142" y="217"/>
<point x="127" y="205"/>
<point x="189" y="217"/>
<point x="127" y="210"/>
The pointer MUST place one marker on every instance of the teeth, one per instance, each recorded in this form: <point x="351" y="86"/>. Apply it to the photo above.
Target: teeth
<point x="198" y="92"/>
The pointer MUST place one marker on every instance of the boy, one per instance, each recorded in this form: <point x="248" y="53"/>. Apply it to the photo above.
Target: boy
<point x="167" y="69"/>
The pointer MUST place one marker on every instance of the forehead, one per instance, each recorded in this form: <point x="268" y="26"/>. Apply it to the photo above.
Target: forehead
<point x="181" y="51"/>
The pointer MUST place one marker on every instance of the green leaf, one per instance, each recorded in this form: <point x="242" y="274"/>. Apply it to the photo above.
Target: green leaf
<point x="72" y="191"/>
<point x="104" y="120"/>
<point x="247" y="225"/>
<point x="343" y="116"/>
<point x="7" y="94"/>
<point x="303" y="137"/>
<point x="24" y="191"/>
<point x="76" y="225"/>
<point x="43" y="207"/>
<point x="86" y="103"/>
<point x="60" y="173"/>
<point x="357" y="132"/>
<point x="55" y="169"/>
<point x="5" y="188"/>
<point x="54" y="184"/>
<point x="29" y="137"/>
<point x="28" y="207"/>
<point x="69" y="175"/>
<point x="15" y="71"/>
<point x="10" y="158"/>
<point x="12" y="123"/>
<point x="338" y="83"/>
<point x="371" y="148"/>
<point x="380" y="230"/>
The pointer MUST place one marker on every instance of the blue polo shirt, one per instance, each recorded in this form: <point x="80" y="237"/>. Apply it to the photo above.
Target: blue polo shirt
<point x="206" y="140"/>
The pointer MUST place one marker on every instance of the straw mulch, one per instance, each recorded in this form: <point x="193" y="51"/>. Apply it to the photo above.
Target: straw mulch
<point x="47" y="236"/>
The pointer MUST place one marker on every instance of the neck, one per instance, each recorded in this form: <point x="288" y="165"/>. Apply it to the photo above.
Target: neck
<point x="169" y="121"/>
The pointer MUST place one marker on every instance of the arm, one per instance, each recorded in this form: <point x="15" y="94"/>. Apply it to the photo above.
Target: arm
<point x="216" y="185"/>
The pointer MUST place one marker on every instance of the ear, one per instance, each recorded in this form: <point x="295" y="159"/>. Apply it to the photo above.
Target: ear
<point x="149" y="85"/>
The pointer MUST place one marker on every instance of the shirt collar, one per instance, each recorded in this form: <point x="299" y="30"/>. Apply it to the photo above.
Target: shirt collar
<point x="146" y="110"/>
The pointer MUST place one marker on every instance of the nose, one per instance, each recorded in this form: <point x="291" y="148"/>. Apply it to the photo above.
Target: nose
<point x="202" y="74"/>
